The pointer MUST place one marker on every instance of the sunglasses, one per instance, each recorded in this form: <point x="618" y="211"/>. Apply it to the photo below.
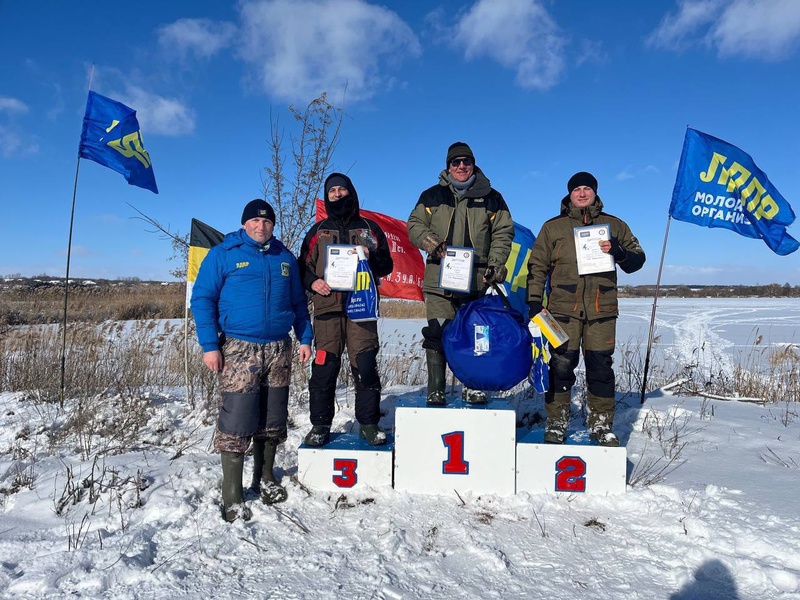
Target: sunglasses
<point x="466" y="161"/>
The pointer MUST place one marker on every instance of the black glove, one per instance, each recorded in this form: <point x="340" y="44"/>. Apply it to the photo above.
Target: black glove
<point x="617" y="251"/>
<point x="534" y="308"/>
<point x="495" y="274"/>
<point x="433" y="245"/>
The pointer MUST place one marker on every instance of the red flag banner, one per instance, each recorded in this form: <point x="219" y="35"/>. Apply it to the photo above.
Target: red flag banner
<point x="409" y="268"/>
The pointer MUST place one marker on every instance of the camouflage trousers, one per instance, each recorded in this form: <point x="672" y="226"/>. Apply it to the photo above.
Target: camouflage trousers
<point x="254" y="393"/>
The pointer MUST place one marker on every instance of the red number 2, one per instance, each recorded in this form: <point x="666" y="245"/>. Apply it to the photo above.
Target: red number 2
<point x="455" y="463"/>
<point x="570" y="474"/>
<point x="347" y="476"/>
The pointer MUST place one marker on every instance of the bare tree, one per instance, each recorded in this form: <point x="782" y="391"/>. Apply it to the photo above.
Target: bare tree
<point x="293" y="188"/>
<point x="180" y="243"/>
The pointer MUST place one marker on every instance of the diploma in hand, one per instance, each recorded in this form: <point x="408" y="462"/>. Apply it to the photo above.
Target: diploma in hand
<point x="340" y="267"/>
<point x="591" y="259"/>
<point x="455" y="272"/>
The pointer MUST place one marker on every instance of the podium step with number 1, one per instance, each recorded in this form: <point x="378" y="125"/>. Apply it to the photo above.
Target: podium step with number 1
<point x="462" y="447"/>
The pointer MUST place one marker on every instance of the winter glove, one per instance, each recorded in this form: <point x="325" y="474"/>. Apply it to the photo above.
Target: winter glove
<point x="617" y="251"/>
<point x="534" y="308"/>
<point x="433" y="245"/>
<point x="495" y="274"/>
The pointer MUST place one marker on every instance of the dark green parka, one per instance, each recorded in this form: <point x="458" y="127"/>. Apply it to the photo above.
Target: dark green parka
<point x="480" y="219"/>
<point x="586" y="297"/>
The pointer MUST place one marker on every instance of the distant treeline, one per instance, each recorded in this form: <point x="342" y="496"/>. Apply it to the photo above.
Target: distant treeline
<point x="772" y="290"/>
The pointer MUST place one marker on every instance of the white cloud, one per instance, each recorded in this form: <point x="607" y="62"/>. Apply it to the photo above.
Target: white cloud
<point x="14" y="144"/>
<point x="518" y="34"/>
<point x="767" y="29"/>
<point x="199" y="37"/>
<point x="157" y="114"/>
<point x="12" y="105"/>
<point x="632" y="173"/>
<point x="301" y="48"/>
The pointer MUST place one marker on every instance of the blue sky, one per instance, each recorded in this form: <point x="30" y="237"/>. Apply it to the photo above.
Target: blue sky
<point x="539" y="89"/>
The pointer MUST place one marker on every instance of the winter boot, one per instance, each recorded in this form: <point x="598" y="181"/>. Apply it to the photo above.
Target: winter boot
<point x="263" y="478"/>
<point x="373" y="435"/>
<point x="233" y="506"/>
<point x="603" y="435"/>
<point x="557" y="407"/>
<point x="471" y="396"/>
<point x="436" y="378"/>
<point x="318" y="436"/>
<point x="601" y="420"/>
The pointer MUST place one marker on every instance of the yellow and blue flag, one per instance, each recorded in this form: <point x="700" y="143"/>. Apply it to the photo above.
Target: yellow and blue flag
<point x="111" y="137"/>
<point x="517" y="265"/>
<point x="719" y="185"/>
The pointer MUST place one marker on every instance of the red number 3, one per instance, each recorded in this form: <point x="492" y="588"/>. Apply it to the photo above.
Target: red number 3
<point x="455" y="463"/>
<point x="570" y="474"/>
<point x="347" y="476"/>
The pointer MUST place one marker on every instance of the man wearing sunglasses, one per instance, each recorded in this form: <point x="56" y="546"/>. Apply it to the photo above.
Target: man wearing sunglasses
<point x="461" y="210"/>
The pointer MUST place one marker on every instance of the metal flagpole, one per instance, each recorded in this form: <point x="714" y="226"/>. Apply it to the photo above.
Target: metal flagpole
<point x="66" y="278"/>
<point x="653" y="316"/>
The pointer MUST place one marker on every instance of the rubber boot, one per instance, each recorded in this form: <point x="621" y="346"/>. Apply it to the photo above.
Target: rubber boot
<point x="263" y="477"/>
<point x="233" y="505"/>
<point x="601" y="420"/>
<point x="436" y="378"/>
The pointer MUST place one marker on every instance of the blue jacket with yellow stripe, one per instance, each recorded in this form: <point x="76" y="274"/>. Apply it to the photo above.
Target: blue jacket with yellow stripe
<point x="249" y="292"/>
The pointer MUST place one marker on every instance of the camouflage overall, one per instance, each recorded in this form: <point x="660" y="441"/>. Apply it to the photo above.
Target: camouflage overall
<point x="254" y="393"/>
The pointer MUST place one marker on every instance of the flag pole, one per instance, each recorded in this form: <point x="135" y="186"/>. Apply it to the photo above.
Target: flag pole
<point x="186" y="350"/>
<point x="66" y="276"/>
<point x="653" y="316"/>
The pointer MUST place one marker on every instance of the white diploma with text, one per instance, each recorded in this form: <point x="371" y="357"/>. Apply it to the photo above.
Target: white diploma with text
<point x="591" y="259"/>
<point x="455" y="272"/>
<point x="341" y="262"/>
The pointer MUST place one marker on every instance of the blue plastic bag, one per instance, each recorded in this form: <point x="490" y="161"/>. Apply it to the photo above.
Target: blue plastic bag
<point x="363" y="304"/>
<point x="487" y="345"/>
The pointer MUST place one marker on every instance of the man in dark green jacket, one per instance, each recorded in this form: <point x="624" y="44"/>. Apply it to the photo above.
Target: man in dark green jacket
<point x="462" y="210"/>
<point x="584" y="305"/>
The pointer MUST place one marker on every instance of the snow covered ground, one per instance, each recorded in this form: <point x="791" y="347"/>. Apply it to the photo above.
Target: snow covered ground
<point x="721" y="521"/>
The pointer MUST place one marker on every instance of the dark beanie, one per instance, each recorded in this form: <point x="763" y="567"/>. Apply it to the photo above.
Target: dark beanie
<point x="337" y="180"/>
<point x="258" y="208"/>
<point x="582" y="178"/>
<point x="459" y="149"/>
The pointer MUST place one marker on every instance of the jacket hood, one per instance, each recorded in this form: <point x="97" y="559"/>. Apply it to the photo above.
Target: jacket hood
<point x="479" y="189"/>
<point x="350" y="207"/>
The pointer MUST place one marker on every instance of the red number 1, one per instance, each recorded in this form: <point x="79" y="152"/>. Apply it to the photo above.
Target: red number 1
<point x="455" y="463"/>
<point x="347" y="476"/>
<point x="570" y="474"/>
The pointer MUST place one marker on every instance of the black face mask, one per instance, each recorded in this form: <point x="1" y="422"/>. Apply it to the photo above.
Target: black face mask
<point x="341" y="209"/>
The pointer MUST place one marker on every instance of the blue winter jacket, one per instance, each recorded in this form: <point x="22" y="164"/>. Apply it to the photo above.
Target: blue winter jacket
<point x="249" y="292"/>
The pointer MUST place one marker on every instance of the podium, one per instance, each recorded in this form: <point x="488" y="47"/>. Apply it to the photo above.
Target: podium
<point x="462" y="447"/>
<point x="578" y="466"/>
<point x="346" y="463"/>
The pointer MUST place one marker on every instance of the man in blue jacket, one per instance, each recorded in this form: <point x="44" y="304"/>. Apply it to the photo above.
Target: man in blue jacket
<point x="246" y="299"/>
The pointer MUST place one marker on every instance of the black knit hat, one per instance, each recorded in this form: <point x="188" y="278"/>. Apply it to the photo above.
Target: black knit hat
<point x="582" y="178"/>
<point x="258" y="209"/>
<point x="337" y="180"/>
<point x="458" y="149"/>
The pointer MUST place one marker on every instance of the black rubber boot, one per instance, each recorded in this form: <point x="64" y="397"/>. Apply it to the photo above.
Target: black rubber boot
<point x="436" y="377"/>
<point x="263" y="477"/>
<point x="233" y="505"/>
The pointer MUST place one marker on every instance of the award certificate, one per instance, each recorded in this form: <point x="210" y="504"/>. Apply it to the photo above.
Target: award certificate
<point x="591" y="259"/>
<point x="455" y="271"/>
<point x="340" y="267"/>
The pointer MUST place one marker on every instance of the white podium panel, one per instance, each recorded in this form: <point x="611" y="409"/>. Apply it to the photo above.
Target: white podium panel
<point x="346" y="463"/>
<point x="577" y="467"/>
<point x="468" y="448"/>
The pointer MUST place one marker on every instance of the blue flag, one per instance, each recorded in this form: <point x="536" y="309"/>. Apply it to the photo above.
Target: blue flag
<point x="719" y="185"/>
<point x="111" y="137"/>
<point x="517" y="265"/>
